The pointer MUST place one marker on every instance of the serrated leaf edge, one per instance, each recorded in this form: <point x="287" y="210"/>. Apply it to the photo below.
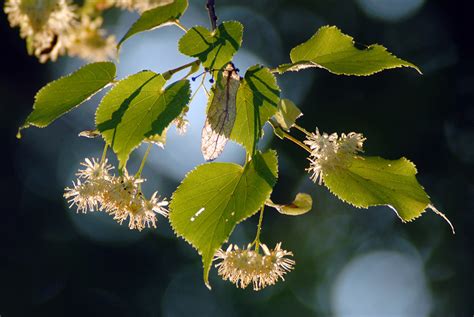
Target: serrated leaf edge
<point x="428" y="205"/>
<point x="169" y="22"/>
<point x="144" y="140"/>
<point x="206" y="282"/>
<point x="37" y="95"/>
<point x="313" y="64"/>
<point x="212" y="33"/>
<point x="279" y="94"/>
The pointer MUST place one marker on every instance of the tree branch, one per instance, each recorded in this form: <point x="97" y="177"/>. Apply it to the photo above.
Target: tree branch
<point x="210" y="6"/>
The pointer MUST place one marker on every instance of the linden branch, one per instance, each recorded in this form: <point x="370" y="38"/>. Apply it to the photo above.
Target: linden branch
<point x="210" y="6"/>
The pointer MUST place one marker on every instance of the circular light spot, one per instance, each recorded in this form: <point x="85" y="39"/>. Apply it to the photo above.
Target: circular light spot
<point x="390" y="10"/>
<point x="381" y="283"/>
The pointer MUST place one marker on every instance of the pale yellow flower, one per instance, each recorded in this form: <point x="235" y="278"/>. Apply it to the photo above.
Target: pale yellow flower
<point x="122" y="191"/>
<point x="43" y="23"/>
<point x="181" y="124"/>
<point x="88" y="41"/>
<point x="95" y="170"/>
<point x="329" y="151"/>
<point x="141" y="212"/>
<point x="93" y="181"/>
<point x="85" y="196"/>
<point x="119" y="196"/>
<point x="245" y="266"/>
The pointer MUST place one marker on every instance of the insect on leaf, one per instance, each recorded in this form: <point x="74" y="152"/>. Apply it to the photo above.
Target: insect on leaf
<point x="220" y="114"/>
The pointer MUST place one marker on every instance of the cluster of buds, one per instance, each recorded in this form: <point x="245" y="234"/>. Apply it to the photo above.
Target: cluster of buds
<point x="120" y="196"/>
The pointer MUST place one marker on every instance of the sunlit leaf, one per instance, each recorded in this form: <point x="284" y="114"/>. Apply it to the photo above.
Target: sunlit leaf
<point x="373" y="181"/>
<point x="214" y="49"/>
<point x="158" y="139"/>
<point x="257" y="101"/>
<point x="156" y="17"/>
<point x="139" y="107"/>
<point x="335" y="51"/>
<point x="62" y="95"/>
<point x="215" y="197"/>
<point x="287" y="114"/>
<point x="220" y="114"/>
<point x="300" y="205"/>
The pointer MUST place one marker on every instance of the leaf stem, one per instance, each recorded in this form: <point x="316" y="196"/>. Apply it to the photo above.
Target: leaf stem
<point x="173" y="71"/>
<point x="259" y="229"/>
<point x="197" y="89"/>
<point x="210" y="6"/>
<point x="302" y="129"/>
<point x="104" y="153"/>
<point x="179" y="25"/>
<point x="297" y="142"/>
<point x="140" y="169"/>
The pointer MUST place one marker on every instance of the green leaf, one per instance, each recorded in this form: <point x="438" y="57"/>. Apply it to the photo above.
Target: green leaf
<point x="220" y="113"/>
<point x="214" y="49"/>
<point x="335" y="51"/>
<point x="156" y="17"/>
<point x="158" y="139"/>
<point x="300" y="205"/>
<point x="215" y="197"/>
<point x="257" y="101"/>
<point x="287" y="114"/>
<point x="62" y="95"/>
<point x="137" y="108"/>
<point x="373" y="181"/>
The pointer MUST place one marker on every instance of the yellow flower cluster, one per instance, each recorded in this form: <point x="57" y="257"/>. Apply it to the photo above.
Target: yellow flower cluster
<point x="119" y="196"/>
<point x="245" y="266"/>
<point x="53" y="28"/>
<point x="329" y="151"/>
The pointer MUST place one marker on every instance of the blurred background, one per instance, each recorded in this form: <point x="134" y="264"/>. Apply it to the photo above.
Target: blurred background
<point x="350" y="262"/>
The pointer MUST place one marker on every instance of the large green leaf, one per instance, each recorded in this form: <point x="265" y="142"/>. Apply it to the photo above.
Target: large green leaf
<point x="372" y="181"/>
<point x="335" y="51"/>
<point x="257" y="101"/>
<point x="138" y="108"/>
<point x="157" y="17"/>
<point x="62" y="95"/>
<point x="214" y="49"/>
<point x="215" y="197"/>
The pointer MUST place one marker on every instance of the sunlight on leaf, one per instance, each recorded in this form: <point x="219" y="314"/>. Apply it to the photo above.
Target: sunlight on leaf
<point x="373" y="181"/>
<point x="139" y="107"/>
<point x="215" y="197"/>
<point x="336" y="52"/>
<point x="62" y="95"/>
<point x="155" y="18"/>
<point x="214" y="49"/>
<point x="257" y="101"/>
